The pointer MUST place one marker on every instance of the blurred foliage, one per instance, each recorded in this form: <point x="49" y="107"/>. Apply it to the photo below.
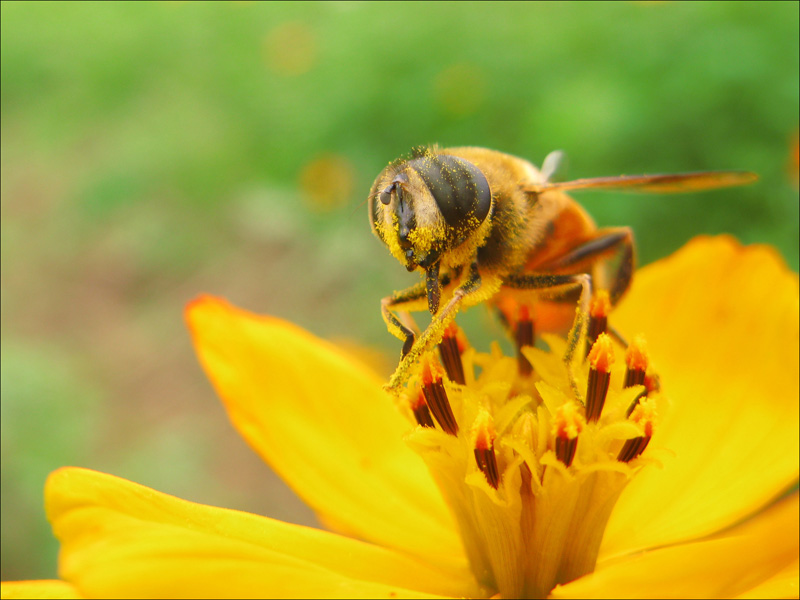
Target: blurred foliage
<point x="151" y="151"/>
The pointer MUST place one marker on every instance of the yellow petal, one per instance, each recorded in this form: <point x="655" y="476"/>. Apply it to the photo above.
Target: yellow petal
<point x="322" y="421"/>
<point x="783" y="584"/>
<point x="121" y="539"/>
<point x="717" y="568"/>
<point x="721" y="322"/>
<point x="49" y="588"/>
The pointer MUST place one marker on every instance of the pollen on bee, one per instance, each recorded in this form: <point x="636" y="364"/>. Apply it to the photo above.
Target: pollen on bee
<point x="568" y="423"/>
<point x="431" y="371"/>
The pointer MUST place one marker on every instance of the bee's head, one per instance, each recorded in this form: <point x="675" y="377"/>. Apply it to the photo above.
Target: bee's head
<point x="426" y="206"/>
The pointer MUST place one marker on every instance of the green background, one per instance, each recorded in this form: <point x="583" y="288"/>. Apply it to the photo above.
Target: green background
<point x="153" y="151"/>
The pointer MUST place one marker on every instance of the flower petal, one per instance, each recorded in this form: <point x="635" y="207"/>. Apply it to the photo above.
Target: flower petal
<point x="121" y="539"/>
<point x="47" y="588"/>
<point x="721" y="322"/>
<point x="783" y="584"/>
<point x="716" y="568"/>
<point x="323" y="422"/>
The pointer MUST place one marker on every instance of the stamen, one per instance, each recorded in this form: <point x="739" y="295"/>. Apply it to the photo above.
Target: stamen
<point x="484" y="448"/>
<point x="567" y="425"/>
<point x="421" y="412"/>
<point x="652" y="383"/>
<point x="436" y="396"/>
<point x="538" y="521"/>
<point x="645" y="415"/>
<point x="523" y="336"/>
<point x="450" y="349"/>
<point x="598" y="317"/>
<point x="636" y="360"/>
<point x="600" y="358"/>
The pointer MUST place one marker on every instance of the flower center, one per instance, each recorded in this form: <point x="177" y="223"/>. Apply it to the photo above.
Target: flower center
<point x="530" y="472"/>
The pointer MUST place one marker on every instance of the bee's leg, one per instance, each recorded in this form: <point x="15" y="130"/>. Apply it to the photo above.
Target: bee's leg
<point x="617" y="336"/>
<point x="413" y="298"/>
<point x="559" y="285"/>
<point x="606" y="243"/>
<point x="504" y="320"/>
<point x="433" y="334"/>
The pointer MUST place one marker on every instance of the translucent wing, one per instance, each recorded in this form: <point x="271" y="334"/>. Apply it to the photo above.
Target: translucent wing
<point x="552" y="163"/>
<point x="657" y="184"/>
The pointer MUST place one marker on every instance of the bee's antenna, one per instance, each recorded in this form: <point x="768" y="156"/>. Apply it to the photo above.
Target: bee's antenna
<point x="360" y="204"/>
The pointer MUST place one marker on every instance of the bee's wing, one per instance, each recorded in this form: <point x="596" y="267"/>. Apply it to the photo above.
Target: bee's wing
<point x="552" y="163"/>
<point x="658" y="184"/>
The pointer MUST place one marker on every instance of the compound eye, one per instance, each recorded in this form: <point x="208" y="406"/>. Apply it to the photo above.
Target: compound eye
<point x="386" y="195"/>
<point x="459" y="188"/>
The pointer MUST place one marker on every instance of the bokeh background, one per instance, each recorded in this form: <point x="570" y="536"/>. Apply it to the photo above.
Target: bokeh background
<point x="153" y="151"/>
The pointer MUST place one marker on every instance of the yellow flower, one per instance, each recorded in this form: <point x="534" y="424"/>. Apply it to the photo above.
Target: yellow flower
<point x="423" y="518"/>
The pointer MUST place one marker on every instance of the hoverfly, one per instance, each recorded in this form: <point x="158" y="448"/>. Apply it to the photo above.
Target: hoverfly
<point x="484" y="226"/>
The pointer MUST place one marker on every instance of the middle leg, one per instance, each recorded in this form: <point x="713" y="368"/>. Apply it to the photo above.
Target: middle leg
<point x="552" y="287"/>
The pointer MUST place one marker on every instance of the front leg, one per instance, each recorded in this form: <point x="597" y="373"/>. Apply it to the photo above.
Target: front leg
<point x="433" y="334"/>
<point x="412" y="298"/>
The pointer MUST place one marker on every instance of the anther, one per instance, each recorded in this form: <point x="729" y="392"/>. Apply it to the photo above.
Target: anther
<point x="652" y="383"/>
<point x="636" y="361"/>
<point x="436" y="396"/>
<point x="598" y="318"/>
<point x="600" y="359"/>
<point x="420" y="410"/>
<point x="644" y="415"/>
<point x="567" y="425"/>
<point x="484" y="448"/>
<point x="450" y="349"/>
<point x="523" y="336"/>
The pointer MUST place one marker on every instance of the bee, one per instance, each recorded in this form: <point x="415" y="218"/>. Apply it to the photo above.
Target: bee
<point x="488" y="227"/>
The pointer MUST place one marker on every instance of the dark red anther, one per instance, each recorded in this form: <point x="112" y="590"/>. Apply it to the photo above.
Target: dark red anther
<point x="633" y="448"/>
<point x="600" y="358"/>
<point x="484" y="449"/>
<point x="421" y="412"/>
<point x="436" y="396"/>
<point x="567" y="426"/>
<point x="450" y="349"/>
<point x="565" y="450"/>
<point x="636" y="362"/>
<point x="598" y="318"/>
<point x="644" y="414"/>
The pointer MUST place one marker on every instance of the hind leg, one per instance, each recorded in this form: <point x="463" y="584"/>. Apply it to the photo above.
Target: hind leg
<point x="611" y="244"/>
